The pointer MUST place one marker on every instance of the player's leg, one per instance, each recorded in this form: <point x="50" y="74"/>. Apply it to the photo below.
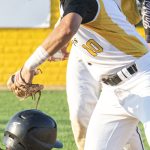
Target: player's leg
<point x="82" y="94"/>
<point x="140" y="108"/>
<point x="135" y="142"/>
<point x="110" y="127"/>
<point x="135" y="94"/>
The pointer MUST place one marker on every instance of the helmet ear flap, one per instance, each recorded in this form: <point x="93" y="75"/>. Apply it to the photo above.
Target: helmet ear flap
<point x="37" y="137"/>
<point x="12" y="143"/>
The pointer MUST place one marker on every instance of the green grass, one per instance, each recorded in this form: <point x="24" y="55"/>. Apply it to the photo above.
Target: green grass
<point x="53" y="103"/>
<point x="143" y="137"/>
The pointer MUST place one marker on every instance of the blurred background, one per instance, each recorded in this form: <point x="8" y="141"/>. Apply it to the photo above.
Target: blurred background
<point x="19" y="37"/>
<point x="17" y="43"/>
<point x="23" y="26"/>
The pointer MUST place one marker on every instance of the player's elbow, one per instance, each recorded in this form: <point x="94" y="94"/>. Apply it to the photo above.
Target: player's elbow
<point x="66" y="33"/>
<point x="69" y="31"/>
<point x="70" y="24"/>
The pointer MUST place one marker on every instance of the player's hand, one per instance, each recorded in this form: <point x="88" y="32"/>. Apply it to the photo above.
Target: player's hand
<point x="60" y="55"/>
<point x="21" y="85"/>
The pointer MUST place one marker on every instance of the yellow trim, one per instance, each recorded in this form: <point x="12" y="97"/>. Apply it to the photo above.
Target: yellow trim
<point x="129" y="8"/>
<point x="114" y="34"/>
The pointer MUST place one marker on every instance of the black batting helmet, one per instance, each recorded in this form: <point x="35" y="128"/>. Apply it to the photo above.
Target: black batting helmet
<point x="31" y="130"/>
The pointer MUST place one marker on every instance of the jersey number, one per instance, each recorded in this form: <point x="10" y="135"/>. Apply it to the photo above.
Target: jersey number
<point x="92" y="47"/>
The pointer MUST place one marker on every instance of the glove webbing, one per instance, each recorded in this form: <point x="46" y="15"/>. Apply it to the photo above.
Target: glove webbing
<point x="34" y="97"/>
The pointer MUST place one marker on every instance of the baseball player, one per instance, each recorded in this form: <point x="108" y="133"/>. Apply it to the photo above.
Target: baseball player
<point x="113" y="53"/>
<point x="83" y="90"/>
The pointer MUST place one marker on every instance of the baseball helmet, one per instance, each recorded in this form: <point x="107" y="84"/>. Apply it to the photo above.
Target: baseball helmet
<point x="31" y="130"/>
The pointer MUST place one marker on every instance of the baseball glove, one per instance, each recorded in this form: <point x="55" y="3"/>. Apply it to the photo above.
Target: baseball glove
<point x="21" y="89"/>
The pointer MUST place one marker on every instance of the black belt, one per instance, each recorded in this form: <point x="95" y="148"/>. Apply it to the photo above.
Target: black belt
<point x="114" y="79"/>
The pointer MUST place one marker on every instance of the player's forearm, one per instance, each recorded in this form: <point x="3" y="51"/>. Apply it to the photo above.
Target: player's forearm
<point x="60" y="36"/>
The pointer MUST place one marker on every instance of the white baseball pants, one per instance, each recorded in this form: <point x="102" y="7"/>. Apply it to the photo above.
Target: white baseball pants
<point x="83" y="92"/>
<point x="119" y="110"/>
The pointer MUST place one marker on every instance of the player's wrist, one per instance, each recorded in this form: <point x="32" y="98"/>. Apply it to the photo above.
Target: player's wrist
<point x="26" y="75"/>
<point x="36" y="59"/>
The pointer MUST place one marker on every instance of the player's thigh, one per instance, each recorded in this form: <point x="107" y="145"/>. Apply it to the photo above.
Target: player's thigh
<point x="136" y="100"/>
<point x="138" y="106"/>
<point x="82" y="90"/>
<point x="135" y="142"/>
<point x="110" y="126"/>
<point x="105" y="132"/>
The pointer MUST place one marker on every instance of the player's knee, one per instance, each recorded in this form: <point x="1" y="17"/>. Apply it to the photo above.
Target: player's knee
<point x="80" y="118"/>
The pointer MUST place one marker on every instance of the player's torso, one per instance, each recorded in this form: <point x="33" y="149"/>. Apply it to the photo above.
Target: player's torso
<point x="110" y="39"/>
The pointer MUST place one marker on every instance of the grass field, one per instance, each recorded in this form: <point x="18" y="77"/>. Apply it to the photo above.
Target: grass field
<point x="53" y="103"/>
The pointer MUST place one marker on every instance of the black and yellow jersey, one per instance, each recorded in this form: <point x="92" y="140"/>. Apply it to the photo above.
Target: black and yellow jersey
<point x="88" y="9"/>
<point x="107" y="36"/>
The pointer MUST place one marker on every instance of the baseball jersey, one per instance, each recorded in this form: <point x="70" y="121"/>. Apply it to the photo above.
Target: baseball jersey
<point x="106" y="37"/>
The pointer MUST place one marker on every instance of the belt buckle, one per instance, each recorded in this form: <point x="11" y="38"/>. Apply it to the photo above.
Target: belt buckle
<point x="116" y="78"/>
<point x="112" y="79"/>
